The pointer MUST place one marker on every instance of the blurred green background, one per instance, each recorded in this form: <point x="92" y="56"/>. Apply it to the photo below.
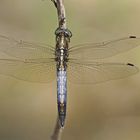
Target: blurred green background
<point x="107" y="111"/>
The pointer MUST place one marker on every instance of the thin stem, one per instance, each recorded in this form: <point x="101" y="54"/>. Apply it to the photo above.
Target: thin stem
<point x="57" y="131"/>
<point x="62" y="25"/>
<point x="61" y="13"/>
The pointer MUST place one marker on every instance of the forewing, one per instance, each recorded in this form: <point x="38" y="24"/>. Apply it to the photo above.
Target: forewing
<point x="95" y="72"/>
<point x="102" y="50"/>
<point x="32" y="71"/>
<point x="25" y="50"/>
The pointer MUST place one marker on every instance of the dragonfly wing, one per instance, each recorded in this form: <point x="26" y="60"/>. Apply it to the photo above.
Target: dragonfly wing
<point x="32" y="71"/>
<point x="25" y="50"/>
<point x="96" y="72"/>
<point x="102" y="50"/>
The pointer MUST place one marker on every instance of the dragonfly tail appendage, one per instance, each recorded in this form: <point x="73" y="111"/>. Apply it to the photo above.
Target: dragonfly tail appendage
<point x="62" y="113"/>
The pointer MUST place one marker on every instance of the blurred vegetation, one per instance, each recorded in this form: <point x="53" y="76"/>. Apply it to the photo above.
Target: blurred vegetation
<point x="107" y="111"/>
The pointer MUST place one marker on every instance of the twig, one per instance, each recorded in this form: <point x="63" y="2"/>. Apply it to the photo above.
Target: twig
<point x="57" y="131"/>
<point x="61" y="13"/>
<point x="62" y="25"/>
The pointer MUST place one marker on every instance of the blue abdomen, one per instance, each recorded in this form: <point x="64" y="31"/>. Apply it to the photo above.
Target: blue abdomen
<point x="61" y="95"/>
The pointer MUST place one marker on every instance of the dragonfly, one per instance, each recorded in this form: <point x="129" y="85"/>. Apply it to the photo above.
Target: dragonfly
<point x="38" y="62"/>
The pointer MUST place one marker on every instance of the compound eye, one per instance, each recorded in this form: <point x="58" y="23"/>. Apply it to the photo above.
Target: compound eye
<point x="58" y="31"/>
<point x="66" y="32"/>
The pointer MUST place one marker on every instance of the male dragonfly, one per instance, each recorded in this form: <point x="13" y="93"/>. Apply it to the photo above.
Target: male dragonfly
<point x="42" y="63"/>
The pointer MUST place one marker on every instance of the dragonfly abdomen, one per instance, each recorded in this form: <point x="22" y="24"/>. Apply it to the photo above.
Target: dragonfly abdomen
<point x="61" y="95"/>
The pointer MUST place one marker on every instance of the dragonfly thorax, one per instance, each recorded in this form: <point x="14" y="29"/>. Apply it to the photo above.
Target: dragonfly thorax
<point x="61" y="52"/>
<point x="62" y="44"/>
<point x="61" y="57"/>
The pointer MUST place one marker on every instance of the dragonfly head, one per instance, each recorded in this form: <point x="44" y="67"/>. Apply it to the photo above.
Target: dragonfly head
<point x="66" y="32"/>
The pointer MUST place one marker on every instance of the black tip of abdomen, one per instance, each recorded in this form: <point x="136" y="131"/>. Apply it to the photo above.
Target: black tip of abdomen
<point x="62" y="120"/>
